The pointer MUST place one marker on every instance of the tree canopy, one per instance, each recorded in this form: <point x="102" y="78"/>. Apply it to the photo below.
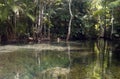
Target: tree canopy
<point x="50" y="19"/>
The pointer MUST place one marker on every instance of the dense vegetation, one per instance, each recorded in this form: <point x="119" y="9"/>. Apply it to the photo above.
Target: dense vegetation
<point x="38" y="20"/>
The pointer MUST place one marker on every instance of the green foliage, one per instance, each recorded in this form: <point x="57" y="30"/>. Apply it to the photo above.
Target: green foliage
<point x="114" y="4"/>
<point x="86" y="15"/>
<point x="31" y="16"/>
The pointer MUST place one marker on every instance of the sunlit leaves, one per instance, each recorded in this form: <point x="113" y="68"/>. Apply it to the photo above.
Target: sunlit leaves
<point x="7" y="8"/>
<point x="1" y="5"/>
<point x="96" y="4"/>
<point x="15" y="8"/>
<point x="58" y="2"/>
<point x="4" y="13"/>
<point x="97" y="27"/>
<point x="114" y="4"/>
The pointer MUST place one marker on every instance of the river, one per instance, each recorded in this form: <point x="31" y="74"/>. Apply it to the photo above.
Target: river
<point x="73" y="60"/>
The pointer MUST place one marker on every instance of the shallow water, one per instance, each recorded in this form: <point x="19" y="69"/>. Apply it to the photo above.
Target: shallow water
<point x="74" y="60"/>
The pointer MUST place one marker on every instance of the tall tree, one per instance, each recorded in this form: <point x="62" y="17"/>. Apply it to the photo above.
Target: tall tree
<point x="70" y="21"/>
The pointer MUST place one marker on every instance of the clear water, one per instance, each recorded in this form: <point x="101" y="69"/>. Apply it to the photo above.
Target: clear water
<point x="75" y="60"/>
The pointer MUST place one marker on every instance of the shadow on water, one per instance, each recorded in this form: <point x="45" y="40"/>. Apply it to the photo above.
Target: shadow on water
<point x="116" y="51"/>
<point x="80" y="60"/>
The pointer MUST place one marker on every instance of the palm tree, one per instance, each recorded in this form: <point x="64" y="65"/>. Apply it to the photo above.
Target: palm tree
<point x="10" y="12"/>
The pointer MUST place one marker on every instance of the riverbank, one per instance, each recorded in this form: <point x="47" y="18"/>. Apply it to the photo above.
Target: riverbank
<point x="39" y="47"/>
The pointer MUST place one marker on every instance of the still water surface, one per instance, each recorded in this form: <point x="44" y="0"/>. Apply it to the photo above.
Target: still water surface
<point x="77" y="60"/>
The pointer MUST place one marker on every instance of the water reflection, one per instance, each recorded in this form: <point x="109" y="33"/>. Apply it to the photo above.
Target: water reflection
<point x="81" y="60"/>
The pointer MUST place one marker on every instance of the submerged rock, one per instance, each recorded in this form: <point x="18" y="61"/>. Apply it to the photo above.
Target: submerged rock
<point x="57" y="72"/>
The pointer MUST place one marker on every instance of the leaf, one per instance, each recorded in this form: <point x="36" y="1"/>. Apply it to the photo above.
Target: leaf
<point x="1" y="5"/>
<point x="114" y="4"/>
<point x="31" y="16"/>
<point x="4" y="14"/>
<point x="15" y="8"/>
<point x="99" y="12"/>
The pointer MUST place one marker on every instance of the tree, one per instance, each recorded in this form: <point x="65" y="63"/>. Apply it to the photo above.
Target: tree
<point x="114" y="8"/>
<point x="9" y="11"/>
<point x="71" y="17"/>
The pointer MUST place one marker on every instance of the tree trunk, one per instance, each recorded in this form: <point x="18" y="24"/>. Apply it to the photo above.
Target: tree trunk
<point x="101" y="28"/>
<point x="71" y="17"/>
<point x="105" y="20"/>
<point x="39" y="21"/>
<point x="44" y="24"/>
<point x="49" y="32"/>
<point x="0" y="38"/>
<point x="49" y="24"/>
<point x="112" y="20"/>
<point x="15" y="23"/>
<point x="4" y="38"/>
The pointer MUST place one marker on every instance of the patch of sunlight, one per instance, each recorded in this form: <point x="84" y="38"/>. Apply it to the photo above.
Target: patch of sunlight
<point x="96" y="26"/>
<point x="57" y="71"/>
<point x="96" y="49"/>
<point x="99" y="7"/>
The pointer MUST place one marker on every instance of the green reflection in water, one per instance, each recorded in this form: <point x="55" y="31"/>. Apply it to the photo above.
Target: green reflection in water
<point x="27" y="64"/>
<point x="81" y="60"/>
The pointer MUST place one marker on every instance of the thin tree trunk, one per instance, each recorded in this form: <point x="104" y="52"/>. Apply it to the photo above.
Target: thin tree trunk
<point x="44" y="24"/>
<point x="39" y="17"/>
<point x="112" y="20"/>
<point x="101" y="27"/>
<point x="49" y="21"/>
<point x="39" y="24"/>
<point x="15" y="22"/>
<point x="49" y="33"/>
<point x="44" y="30"/>
<point x="35" y="26"/>
<point x="105" y="20"/>
<point x="49" y="28"/>
<point x="71" y="17"/>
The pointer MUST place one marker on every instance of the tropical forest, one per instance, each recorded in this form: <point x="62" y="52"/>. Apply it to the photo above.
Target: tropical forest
<point x="59" y="39"/>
